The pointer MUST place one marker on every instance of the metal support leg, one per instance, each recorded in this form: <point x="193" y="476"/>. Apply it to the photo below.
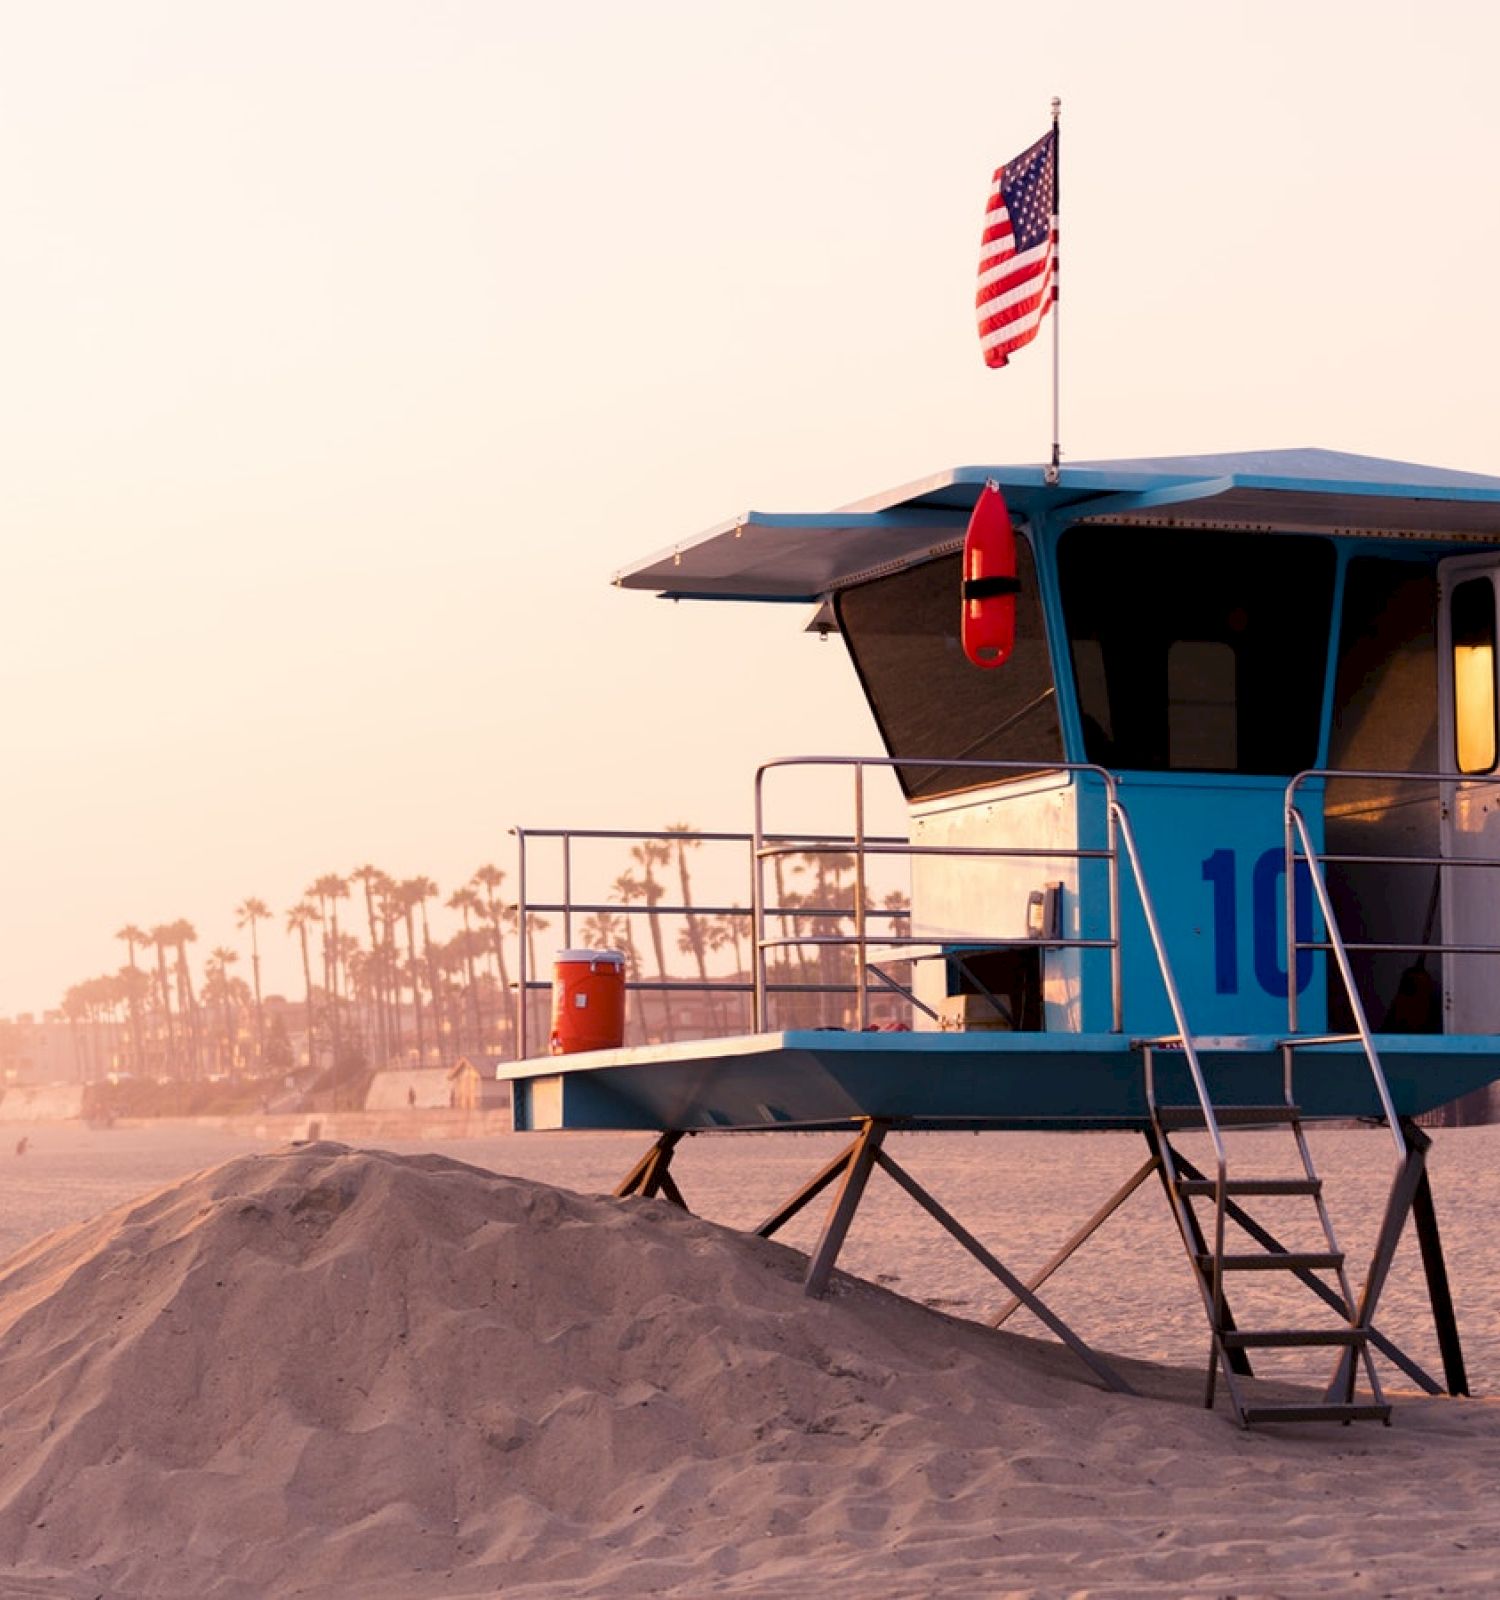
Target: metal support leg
<point x="858" y="1165"/>
<point x="1081" y="1237"/>
<point x="1398" y="1207"/>
<point x="1444" y="1320"/>
<point x="651" y="1176"/>
<point x="1096" y="1364"/>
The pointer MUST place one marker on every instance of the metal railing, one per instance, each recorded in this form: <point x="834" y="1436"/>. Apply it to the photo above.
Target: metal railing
<point x="1299" y="847"/>
<point x="570" y="909"/>
<point x="872" y="924"/>
<point x="1121" y="829"/>
<point x="768" y="847"/>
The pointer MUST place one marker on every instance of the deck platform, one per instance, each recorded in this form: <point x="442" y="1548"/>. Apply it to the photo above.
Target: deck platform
<point x="816" y="1078"/>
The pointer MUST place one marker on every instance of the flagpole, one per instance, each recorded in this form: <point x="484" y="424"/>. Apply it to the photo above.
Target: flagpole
<point x="1054" y="469"/>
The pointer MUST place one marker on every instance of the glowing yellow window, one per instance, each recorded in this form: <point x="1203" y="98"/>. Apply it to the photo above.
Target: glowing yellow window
<point x="1473" y="619"/>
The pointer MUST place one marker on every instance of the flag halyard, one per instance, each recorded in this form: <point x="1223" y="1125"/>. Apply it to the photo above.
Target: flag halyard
<point x="1018" y="254"/>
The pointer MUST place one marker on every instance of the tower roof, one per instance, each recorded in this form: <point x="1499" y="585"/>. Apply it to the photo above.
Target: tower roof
<point x="803" y="556"/>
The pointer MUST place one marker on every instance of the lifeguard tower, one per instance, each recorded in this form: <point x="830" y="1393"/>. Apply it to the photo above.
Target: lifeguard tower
<point x="1213" y="850"/>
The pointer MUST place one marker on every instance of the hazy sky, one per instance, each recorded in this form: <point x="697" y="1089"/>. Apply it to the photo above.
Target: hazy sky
<point x="349" y="347"/>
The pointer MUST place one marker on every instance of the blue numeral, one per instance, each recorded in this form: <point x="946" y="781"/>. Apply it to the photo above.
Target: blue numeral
<point x="1270" y="869"/>
<point x="1218" y="870"/>
<point x="1266" y="921"/>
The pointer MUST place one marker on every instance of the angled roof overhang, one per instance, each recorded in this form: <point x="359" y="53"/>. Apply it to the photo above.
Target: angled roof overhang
<point x="771" y="556"/>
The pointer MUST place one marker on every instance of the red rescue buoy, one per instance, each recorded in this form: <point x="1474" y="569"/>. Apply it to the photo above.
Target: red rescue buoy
<point x="588" y="1001"/>
<point x="989" y="582"/>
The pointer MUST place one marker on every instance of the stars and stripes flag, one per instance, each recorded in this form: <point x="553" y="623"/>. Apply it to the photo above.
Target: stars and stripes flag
<point x="1018" y="256"/>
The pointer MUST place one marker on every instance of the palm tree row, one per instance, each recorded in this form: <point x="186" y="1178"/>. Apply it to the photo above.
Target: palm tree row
<point x="378" y="989"/>
<point x="400" y="997"/>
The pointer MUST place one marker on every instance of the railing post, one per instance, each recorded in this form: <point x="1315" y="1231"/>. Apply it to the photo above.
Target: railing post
<point x="523" y="993"/>
<point x="861" y="978"/>
<point x="1116" y="958"/>
<point x="1356" y="1005"/>
<point x="1189" y="1052"/>
<point x="567" y="866"/>
<point x="1290" y="883"/>
<point x="759" y="1018"/>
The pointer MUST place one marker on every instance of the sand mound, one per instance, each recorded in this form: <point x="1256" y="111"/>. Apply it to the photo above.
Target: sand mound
<point x="323" y="1372"/>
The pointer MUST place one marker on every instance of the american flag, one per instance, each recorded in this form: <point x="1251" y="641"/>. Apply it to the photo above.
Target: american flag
<point x="1018" y="257"/>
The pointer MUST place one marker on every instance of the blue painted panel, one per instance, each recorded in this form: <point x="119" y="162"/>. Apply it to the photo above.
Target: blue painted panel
<point x="1212" y="853"/>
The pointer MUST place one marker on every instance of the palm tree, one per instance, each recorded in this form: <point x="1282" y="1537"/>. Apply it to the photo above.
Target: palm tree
<point x="374" y="879"/>
<point x="464" y="901"/>
<point x="108" y="993"/>
<point x="411" y="892"/>
<point x="898" y="903"/>
<point x="489" y="878"/>
<point x="161" y="937"/>
<point x="390" y="965"/>
<point x="627" y="890"/>
<point x="74" y="1008"/>
<point x="825" y="904"/>
<point x="217" y="990"/>
<point x="650" y="854"/>
<point x="718" y="934"/>
<point x="784" y="899"/>
<point x="297" y="920"/>
<point x="135" y="989"/>
<point x="421" y="891"/>
<point x="182" y="933"/>
<point x="247" y="914"/>
<point x="602" y="931"/>
<point x="729" y="930"/>
<point x="330" y="889"/>
<point x="692" y="941"/>
<point x="134" y="936"/>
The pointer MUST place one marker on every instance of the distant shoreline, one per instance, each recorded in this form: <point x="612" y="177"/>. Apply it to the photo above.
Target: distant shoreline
<point x="344" y="1126"/>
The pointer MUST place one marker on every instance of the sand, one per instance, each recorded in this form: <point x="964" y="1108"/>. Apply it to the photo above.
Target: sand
<point x="324" y="1372"/>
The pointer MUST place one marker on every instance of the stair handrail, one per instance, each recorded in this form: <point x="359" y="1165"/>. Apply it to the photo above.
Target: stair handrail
<point x="1120" y="828"/>
<point x="1298" y="831"/>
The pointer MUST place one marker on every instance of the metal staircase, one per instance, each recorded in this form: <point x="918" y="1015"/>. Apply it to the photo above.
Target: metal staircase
<point x="1213" y="1262"/>
<point x="1207" y="1246"/>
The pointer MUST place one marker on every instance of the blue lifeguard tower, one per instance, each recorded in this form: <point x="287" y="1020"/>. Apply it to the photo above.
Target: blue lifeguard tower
<point x="1213" y="850"/>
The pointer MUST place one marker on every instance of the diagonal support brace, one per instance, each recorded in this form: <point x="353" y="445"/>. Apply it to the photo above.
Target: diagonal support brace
<point x="1049" y="1318"/>
<point x="809" y="1192"/>
<point x="1411" y="1195"/>
<point x="1078" y="1239"/>
<point x="651" y="1175"/>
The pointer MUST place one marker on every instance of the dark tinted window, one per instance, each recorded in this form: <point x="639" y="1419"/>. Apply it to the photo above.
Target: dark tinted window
<point x="928" y="699"/>
<point x="1385" y="716"/>
<point x="1385" y="690"/>
<point x="1197" y="651"/>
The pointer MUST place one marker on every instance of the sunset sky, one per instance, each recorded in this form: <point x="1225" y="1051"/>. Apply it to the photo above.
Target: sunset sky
<point x="351" y="345"/>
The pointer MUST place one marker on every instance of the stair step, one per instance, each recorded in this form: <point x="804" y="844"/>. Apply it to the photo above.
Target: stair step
<point x="1291" y="1338"/>
<point x="1251" y="1186"/>
<point x="1274" y="1260"/>
<point x="1225" y="1116"/>
<point x="1329" y="1412"/>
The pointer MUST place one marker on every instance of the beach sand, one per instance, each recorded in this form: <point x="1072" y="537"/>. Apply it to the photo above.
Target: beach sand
<point x="322" y="1372"/>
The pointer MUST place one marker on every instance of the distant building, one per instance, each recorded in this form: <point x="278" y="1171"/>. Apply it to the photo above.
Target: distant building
<point x="50" y="1049"/>
<point x="472" y="1084"/>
